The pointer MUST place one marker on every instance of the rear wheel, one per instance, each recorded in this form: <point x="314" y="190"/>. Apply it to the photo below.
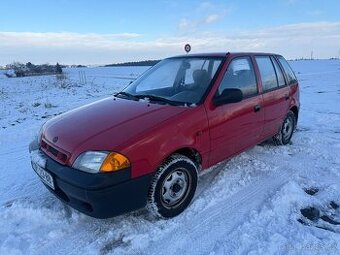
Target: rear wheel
<point x="285" y="134"/>
<point x="173" y="186"/>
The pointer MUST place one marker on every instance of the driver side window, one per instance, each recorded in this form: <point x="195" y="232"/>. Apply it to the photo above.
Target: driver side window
<point x="240" y="75"/>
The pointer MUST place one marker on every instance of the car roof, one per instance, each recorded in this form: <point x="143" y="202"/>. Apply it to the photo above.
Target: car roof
<point x="224" y="54"/>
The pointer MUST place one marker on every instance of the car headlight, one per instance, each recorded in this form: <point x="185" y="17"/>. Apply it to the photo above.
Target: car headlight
<point x="101" y="161"/>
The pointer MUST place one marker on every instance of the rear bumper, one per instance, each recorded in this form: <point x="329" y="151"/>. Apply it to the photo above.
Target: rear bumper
<point x="98" y="195"/>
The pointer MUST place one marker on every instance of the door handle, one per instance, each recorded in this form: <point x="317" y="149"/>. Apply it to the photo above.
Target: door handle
<point x="257" y="108"/>
<point x="286" y="96"/>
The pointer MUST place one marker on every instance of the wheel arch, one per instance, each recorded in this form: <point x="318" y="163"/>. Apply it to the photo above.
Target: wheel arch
<point x="189" y="152"/>
<point x="295" y="110"/>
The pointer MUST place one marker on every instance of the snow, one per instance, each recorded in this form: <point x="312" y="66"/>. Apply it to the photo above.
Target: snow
<point x="248" y="205"/>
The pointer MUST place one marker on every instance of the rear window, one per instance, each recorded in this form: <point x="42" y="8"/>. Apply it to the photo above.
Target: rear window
<point x="267" y="71"/>
<point x="291" y="78"/>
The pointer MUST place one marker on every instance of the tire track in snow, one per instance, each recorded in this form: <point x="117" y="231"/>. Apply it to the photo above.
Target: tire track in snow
<point x="230" y="211"/>
<point x="205" y="230"/>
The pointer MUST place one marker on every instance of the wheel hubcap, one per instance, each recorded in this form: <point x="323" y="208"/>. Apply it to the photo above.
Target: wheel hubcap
<point x="287" y="128"/>
<point x="175" y="187"/>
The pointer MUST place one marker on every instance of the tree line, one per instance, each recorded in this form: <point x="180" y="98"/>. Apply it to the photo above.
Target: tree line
<point x="135" y="63"/>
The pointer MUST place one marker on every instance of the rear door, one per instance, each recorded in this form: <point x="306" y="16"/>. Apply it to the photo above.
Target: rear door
<point x="291" y="81"/>
<point x="236" y="126"/>
<point x="275" y="94"/>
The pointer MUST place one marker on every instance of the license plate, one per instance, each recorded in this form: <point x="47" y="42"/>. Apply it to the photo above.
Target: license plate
<point x="38" y="164"/>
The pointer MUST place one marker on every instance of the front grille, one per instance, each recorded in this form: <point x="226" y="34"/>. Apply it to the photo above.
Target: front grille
<point x="53" y="152"/>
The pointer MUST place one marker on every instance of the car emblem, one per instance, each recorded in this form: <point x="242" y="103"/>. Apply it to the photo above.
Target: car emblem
<point x="55" y="139"/>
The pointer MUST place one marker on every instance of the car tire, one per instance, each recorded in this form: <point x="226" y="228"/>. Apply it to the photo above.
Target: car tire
<point x="172" y="187"/>
<point x="285" y="134"/>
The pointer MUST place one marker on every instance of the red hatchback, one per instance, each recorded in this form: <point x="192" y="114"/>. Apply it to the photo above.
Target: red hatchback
<point x="147" y="144"/>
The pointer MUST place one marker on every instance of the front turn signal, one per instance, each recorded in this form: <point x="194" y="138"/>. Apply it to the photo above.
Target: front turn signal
<point x="114" y="162"/>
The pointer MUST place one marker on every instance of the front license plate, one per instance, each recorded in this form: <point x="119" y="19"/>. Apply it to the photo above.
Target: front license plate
<point x="38" y="164"/>
<point x="44" y="175"/>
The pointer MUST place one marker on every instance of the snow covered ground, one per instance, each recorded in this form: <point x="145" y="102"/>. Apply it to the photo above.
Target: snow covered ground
<point x="257" y="203"/>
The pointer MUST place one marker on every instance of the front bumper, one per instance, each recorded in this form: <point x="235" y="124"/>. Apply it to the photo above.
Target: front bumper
<point x="100" y="195"/>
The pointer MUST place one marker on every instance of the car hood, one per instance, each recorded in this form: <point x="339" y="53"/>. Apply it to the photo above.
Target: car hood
<point x="105" y="124"/>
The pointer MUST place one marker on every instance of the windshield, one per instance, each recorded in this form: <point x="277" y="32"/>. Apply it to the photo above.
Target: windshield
<point x="181" y="80"/>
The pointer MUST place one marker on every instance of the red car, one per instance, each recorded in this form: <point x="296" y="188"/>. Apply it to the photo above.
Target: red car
<point x="147" y="144"/>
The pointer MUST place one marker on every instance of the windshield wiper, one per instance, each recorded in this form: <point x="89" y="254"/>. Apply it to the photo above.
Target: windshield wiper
<point x="126" y="94"/>
<point x="150" y="97"/>
<point x="159" y="99"/>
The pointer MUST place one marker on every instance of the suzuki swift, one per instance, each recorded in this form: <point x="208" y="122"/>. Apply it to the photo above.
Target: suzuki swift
<point x="147" y="144"/>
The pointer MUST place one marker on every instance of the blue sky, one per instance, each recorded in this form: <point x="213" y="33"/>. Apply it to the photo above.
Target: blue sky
<point x="99" y="32"/>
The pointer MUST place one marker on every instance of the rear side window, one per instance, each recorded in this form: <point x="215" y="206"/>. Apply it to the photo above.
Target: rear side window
<point x="279" y="74"/>
<point x="267" y="71"/>
<point x="240" y="75"/>
<point x="291" y="78"/>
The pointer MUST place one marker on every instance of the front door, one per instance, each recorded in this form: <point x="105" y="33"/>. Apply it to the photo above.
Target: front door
<point x="236" y="126"/>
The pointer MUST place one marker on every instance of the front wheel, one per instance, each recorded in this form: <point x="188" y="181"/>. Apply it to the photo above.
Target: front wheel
<point x="173" y="186"/>
<point x="285" y="134"/>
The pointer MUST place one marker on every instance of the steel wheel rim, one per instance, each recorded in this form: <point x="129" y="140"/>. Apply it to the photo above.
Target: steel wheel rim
<point x="175" y="188"/>
<point x="287" y="128"/>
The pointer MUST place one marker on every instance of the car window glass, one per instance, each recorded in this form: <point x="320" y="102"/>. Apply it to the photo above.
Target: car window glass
<point x="288" y="70"/>
<point x="180" y="79"/>
<point x="215" y="66"/>
<point x="279" y="74"/>
<point x="198" y="64"/>
<point x="161" y="79"/>
<point x="241" y="75"/>
<point x="267" y="72"/>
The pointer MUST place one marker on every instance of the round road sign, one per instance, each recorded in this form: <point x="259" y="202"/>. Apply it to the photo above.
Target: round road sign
<point x="187" y="48"/>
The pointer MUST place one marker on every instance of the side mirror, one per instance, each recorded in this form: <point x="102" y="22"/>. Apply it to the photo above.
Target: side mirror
<point x="228" y="96"/>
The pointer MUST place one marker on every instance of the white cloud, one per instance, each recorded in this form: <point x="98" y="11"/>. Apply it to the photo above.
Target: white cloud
<point x="62" y="39"/>
<point x="211" y="18"/>
<point x="204" y="14"/>
<point x="193" y="25"/>
<point x="293" y="41"/>
<point x="183" y="24"/>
